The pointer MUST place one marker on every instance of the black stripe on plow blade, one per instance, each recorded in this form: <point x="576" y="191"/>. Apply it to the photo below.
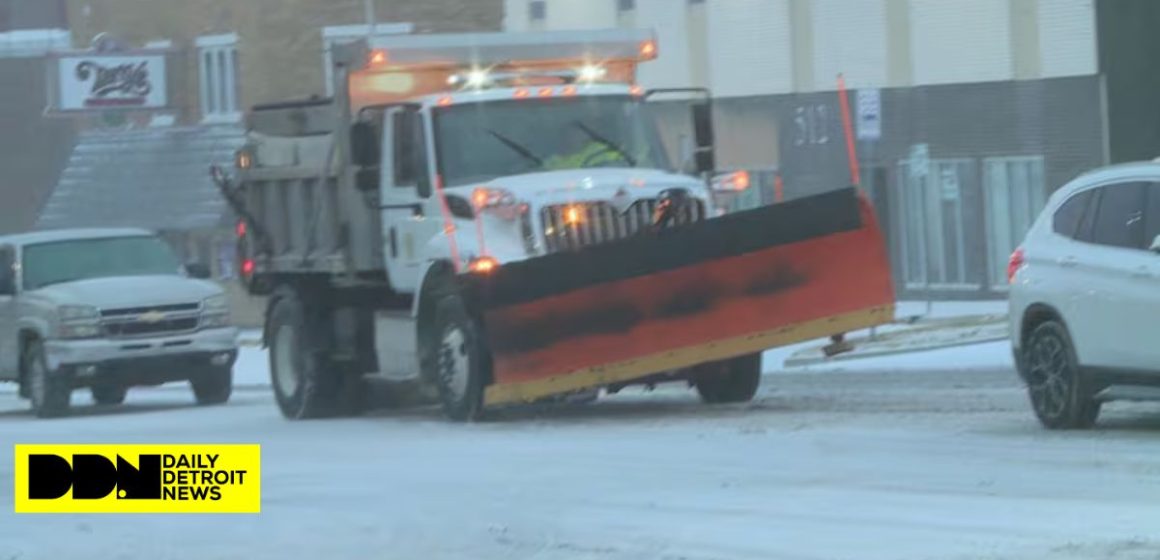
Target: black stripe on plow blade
<point x="688" y="244"/>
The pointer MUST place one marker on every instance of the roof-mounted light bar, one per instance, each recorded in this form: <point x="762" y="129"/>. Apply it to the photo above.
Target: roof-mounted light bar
<point x="482" y="50"/>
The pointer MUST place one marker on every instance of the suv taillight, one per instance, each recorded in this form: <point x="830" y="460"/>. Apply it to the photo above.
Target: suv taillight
<point x="1014" y="264"/>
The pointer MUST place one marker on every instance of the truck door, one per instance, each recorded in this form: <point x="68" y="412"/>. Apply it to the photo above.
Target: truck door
<point x="9" y="350"/>
<point x="410" y="218"/>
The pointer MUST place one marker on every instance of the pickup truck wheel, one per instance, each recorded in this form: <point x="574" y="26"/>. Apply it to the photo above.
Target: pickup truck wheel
<point x="49" y="391"/>
<point x="728" y="381"/>
<point x="1059" y="393"/>
<point x="306" y="384"/>
<point x="213" y="386"/>
<point x="460" y="363"/>
<point x="108" y="394"/>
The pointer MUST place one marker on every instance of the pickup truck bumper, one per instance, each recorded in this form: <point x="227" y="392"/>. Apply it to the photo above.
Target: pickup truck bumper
<point x="144" y="361"/>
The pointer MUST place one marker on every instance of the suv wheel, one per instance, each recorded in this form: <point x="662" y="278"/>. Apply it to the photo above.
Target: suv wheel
<point x="48" y="390"/>
<point x="1059" y="393"/>
<point x="108" y="394"/>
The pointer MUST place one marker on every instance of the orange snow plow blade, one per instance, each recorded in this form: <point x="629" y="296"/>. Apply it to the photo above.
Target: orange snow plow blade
<point x="696" y="293"/>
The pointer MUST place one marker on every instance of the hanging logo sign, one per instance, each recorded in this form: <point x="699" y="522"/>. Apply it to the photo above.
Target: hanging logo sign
<point x="121" y="81"/>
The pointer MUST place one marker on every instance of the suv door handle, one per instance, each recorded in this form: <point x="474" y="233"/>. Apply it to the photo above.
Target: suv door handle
<point x="1142" y="272"/>
<point x="1067" y="262"/>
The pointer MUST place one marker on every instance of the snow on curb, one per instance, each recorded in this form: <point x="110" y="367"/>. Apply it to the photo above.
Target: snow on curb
<point x="939" y="334"/>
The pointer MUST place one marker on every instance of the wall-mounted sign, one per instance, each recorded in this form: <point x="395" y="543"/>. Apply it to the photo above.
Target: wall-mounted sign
<point x="869" y="114"/>
<point x="101" y="82"/>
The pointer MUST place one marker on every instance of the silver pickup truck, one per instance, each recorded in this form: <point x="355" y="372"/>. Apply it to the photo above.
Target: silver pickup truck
<point x="108" y="309"/>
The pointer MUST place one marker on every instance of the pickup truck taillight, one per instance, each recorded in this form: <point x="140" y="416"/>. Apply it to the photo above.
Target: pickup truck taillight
<point x="1014" y="264"/>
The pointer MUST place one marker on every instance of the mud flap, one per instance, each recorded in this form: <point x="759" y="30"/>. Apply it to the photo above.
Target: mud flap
<point x="730" y="286"/>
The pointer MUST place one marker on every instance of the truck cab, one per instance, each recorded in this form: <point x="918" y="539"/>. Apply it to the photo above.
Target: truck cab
<point x="523" y="172"/>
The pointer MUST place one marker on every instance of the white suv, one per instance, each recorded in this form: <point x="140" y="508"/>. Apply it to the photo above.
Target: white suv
<point x="1085" y="295"/>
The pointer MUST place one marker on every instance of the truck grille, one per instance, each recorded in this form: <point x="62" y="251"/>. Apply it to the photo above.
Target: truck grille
<point x="601" y="222"/>
<point x="150" y="321"/>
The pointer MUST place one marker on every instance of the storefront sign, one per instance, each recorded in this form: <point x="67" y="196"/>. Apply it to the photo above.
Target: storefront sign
<point x="111" y="81"/>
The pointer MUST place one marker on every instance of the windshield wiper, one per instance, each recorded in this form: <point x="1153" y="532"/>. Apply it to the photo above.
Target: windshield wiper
<point x="609" y="143"/>
<point x="517" y="148"/>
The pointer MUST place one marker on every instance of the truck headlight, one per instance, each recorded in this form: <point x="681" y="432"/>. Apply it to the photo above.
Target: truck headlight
<point x="71" y="313"/>
<point x="79" y="321"/>
<point x="68" y="331"/>
<point x="216" y="304"/>
<point x="215" y="312"/>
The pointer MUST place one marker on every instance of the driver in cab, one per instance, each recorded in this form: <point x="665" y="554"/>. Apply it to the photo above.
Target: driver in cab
<point x="583" y="147"/>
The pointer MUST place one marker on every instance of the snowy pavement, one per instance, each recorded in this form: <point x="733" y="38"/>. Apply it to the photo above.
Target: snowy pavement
<point x="938" y="458"/>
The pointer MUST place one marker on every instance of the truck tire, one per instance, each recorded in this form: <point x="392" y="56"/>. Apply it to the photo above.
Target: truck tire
<point x="49" y="391"/>
<point x="728" y="381"/>
<point x="108" y="394"/>
<point x="213" y="386"/>
<point x="461" y="362"/>
<point x="306" y="384"/>
<point x="1060" y="395"/>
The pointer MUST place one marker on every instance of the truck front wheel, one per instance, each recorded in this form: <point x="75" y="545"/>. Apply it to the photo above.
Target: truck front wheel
<point x="460" y="362"/>
<point x="728" y="381"/>
<point x="49" y="390"/>
<point x="213" y="386"/>
<point x="306" y="383"/>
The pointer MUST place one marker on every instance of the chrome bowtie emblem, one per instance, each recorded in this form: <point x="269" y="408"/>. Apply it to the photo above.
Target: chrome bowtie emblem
<point x="152" y="317"/>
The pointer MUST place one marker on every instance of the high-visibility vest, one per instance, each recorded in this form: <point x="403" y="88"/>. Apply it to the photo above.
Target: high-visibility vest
<point x="595" y="153"/>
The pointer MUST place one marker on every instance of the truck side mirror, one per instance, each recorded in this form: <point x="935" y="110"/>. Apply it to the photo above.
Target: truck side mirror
<point x="7" y="274"/>
<point x="364" y="145"/>
<point x="7" y="282"/>
<point x="423" y="184"/>
<point x="688" y="154"/>
<point x="367" y="179"/>
<point x="705" y="155"/>
<point x="199" y="271"/>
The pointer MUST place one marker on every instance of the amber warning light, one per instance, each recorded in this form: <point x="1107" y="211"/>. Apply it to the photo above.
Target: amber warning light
<point x="483" y="265"/>
<point x="648" y="50"/>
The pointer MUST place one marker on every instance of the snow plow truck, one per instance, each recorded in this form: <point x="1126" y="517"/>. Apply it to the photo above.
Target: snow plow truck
<point x="486" y="220"/>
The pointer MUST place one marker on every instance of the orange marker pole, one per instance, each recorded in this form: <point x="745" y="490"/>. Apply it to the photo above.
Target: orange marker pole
<point x="848" y="127"/>
<point x="448" y="224"/>
<point x="479" y="229"/>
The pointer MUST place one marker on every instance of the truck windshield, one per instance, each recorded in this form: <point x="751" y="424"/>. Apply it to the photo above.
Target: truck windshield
<point x="481" y="141"/>
<point x="57" y="262"/>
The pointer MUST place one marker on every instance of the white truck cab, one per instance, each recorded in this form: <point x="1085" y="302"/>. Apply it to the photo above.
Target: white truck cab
<point x="525" y="172"/>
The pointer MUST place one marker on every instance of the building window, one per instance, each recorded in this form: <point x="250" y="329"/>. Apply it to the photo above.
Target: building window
<point x="933" y="224"/>
<point x="1013" y="193"/>
<point x="218" y="70"/>
<point x="626" y="13"/>
<point x="537" y="13"/>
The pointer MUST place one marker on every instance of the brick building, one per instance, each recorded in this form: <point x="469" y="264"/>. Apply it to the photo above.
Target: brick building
<point x="149" y="167"/>
<point x="32" y="148"/>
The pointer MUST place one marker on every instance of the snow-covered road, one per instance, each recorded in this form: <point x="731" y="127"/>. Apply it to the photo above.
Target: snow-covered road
<point x="834" y="465"/>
